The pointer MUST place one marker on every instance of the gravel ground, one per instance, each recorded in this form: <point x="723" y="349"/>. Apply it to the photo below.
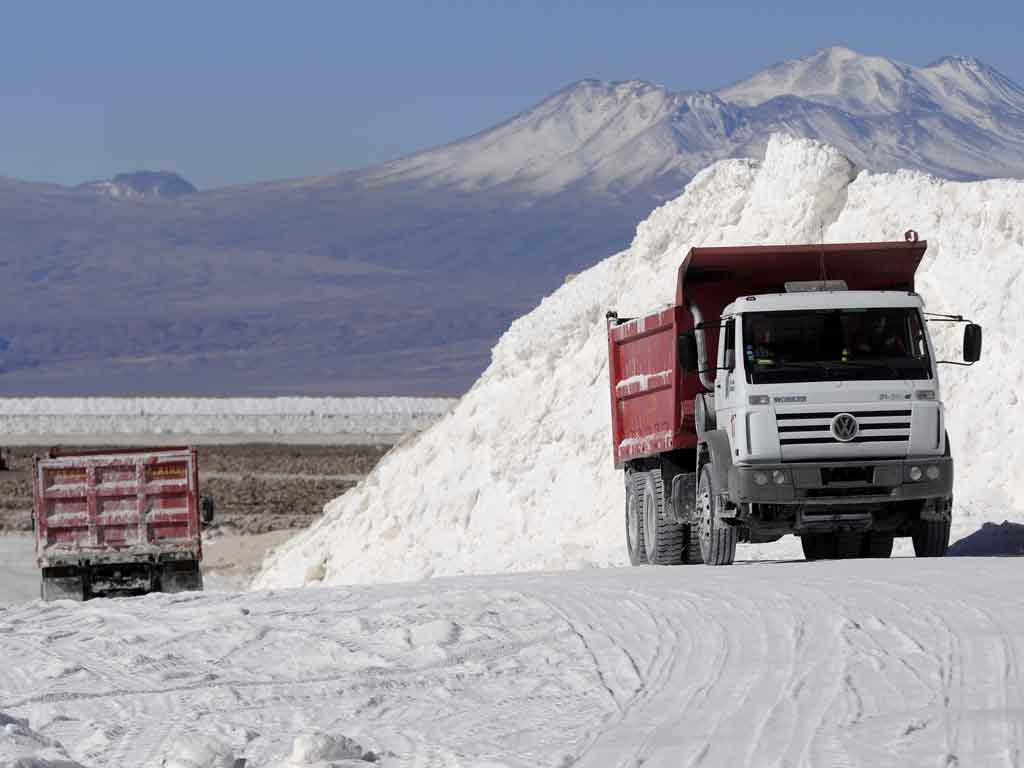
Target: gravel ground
<point x="257" y="487"/>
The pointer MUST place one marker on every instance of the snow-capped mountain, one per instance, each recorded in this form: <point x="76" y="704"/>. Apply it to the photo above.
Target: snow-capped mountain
<point x="957" y="118"/>
<point x="139" y="185"/>
<point x="398" y="279"/>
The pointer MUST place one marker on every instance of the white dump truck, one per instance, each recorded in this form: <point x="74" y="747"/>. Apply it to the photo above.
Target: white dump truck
<point x="791" y="389"/>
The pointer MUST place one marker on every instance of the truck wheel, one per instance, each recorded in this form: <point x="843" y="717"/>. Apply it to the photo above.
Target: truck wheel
<point x="634" y="521"/>
<point x="818" y="546"/>
<point x="849" y="545"/>
<point x="58" y="585"/>
<point x="877" y="545"/>
<point x="183" y="576"/>
<point x="663" y="538"/>
<point x="931" y="537"/>
<point x="717" y="540"/>
<point x="691" y="545"/>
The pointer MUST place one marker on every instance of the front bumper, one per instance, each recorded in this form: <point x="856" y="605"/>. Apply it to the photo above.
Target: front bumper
<point x="824" y="483"/>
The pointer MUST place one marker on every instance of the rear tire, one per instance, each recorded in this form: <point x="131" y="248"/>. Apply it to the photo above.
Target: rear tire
<point x="691" y="545"/>
<point x="58" y="584"/>
<point x="849" y="545"/>
<point x="931" y="538"/>
<point x="182" y="576"/>
<point x="877" y="545"/>
<point x="634" y="521"/>
<point x="663" y="538"/>
<point x="717" y="540"/>
<point x="818" y="546"/>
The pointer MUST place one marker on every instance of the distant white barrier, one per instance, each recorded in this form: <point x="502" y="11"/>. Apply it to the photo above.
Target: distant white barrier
<point x="27" y="416"/>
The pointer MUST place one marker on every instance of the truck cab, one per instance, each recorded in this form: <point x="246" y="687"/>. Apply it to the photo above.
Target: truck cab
<point x="827" y="397"/>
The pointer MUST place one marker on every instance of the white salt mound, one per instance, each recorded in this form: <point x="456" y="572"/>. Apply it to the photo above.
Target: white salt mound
<point x="519" y="476"/>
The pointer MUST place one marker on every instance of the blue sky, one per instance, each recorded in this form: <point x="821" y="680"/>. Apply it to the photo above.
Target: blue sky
<point x="234" y="92"/>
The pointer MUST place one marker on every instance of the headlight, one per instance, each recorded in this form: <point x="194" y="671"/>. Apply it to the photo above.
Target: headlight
<point x="759" y="400"/>
<point x="914" y="473"/>
<point x="761" y="478"/>
<point x="926" y="394"/>
<point x="933" y="472"/>
<point x="778" y="477"/>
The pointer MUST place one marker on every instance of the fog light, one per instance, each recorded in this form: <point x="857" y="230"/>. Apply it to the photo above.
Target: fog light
<point x="761" y="478"/>
<point x="778" y="477"/>
<point x="915" y="473"/>
<point x="933" y="472"/>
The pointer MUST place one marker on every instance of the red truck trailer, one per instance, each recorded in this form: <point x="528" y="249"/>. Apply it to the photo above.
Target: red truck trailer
<point x="789" y="389"/>
<point x="124" y="522"/>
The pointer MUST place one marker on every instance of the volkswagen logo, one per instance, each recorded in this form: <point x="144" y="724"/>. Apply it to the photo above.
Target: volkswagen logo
<point x="845" y="427"/>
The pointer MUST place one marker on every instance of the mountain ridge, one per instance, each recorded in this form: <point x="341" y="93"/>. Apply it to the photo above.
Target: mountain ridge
<point x="398" y="278"/>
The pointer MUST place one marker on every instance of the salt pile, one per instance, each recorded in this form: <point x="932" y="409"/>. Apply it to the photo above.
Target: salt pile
<point x="520" y="476"/>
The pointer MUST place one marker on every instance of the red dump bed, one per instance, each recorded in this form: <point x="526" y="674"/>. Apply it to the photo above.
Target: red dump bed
<point x="652" y="398"/>
<point x="129" y="506"/>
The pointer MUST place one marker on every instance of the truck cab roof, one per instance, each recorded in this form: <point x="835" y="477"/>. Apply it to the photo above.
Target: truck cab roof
<point x="813" y="300"/>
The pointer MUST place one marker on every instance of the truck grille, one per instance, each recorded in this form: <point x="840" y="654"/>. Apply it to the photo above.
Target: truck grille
<point x="812" y="428"/>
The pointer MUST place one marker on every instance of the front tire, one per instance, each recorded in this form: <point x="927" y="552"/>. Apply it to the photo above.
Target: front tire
<point x="931" y="538"/>
<point x="717" y="540"/>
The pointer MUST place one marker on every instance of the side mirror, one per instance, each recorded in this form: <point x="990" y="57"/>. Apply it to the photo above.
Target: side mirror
<point x="972" y="343"/>
<point x="688" y="352"/>
<point x="206" y="510"/>
<point x="730" y="359"/>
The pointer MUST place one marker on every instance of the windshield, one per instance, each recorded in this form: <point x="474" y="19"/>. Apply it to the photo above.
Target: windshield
<point x="814" y="345"/>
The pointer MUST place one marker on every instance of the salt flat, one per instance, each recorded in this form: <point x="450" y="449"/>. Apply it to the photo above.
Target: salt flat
<point x="896" y="662"/>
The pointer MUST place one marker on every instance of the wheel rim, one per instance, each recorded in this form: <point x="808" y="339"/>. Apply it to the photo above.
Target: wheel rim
<point x="632" y="521"/>
<point x="650" y="525"/>
<point x="704" y="507"/>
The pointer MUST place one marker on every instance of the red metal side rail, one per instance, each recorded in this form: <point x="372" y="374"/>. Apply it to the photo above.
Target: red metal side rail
<point x="651" y="398"/>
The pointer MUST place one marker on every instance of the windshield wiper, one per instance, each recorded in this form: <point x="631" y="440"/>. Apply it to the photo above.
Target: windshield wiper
<point x="809" y="365"/>
<point x="879" y="364"/>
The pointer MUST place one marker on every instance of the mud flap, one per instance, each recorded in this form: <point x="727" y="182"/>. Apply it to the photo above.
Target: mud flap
<point x="683" y="501"/>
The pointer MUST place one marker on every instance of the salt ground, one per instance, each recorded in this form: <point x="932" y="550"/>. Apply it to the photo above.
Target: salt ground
<point x="901" y="662"/>
<point x="519" y="476"/>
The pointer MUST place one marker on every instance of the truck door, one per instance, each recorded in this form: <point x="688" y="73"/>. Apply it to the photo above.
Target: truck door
<point x="725" y="381"/>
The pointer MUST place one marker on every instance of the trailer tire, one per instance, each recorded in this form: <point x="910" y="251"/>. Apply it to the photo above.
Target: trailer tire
<point x="931" y="538"/>
<point x="818" y="546"/>
<point x="877" y="545"/>
<point x="663" y="538"/>
<point x="634" y="520"/>
<point x="57" y="584"/>
<point x="717" y="540"/>
<point x="183" y="576"/>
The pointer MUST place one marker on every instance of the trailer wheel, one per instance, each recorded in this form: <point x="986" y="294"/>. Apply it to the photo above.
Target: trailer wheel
<point x="717" y="540"/>
<point x="818" y="546"/>
<point x="931" y="538"/>
<point x="634" y="520"/>
<point x="877" y="545"/>
<point x="663" y="538"/>
<point x="183" y="576"/>
<point x="62" y="584"/>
